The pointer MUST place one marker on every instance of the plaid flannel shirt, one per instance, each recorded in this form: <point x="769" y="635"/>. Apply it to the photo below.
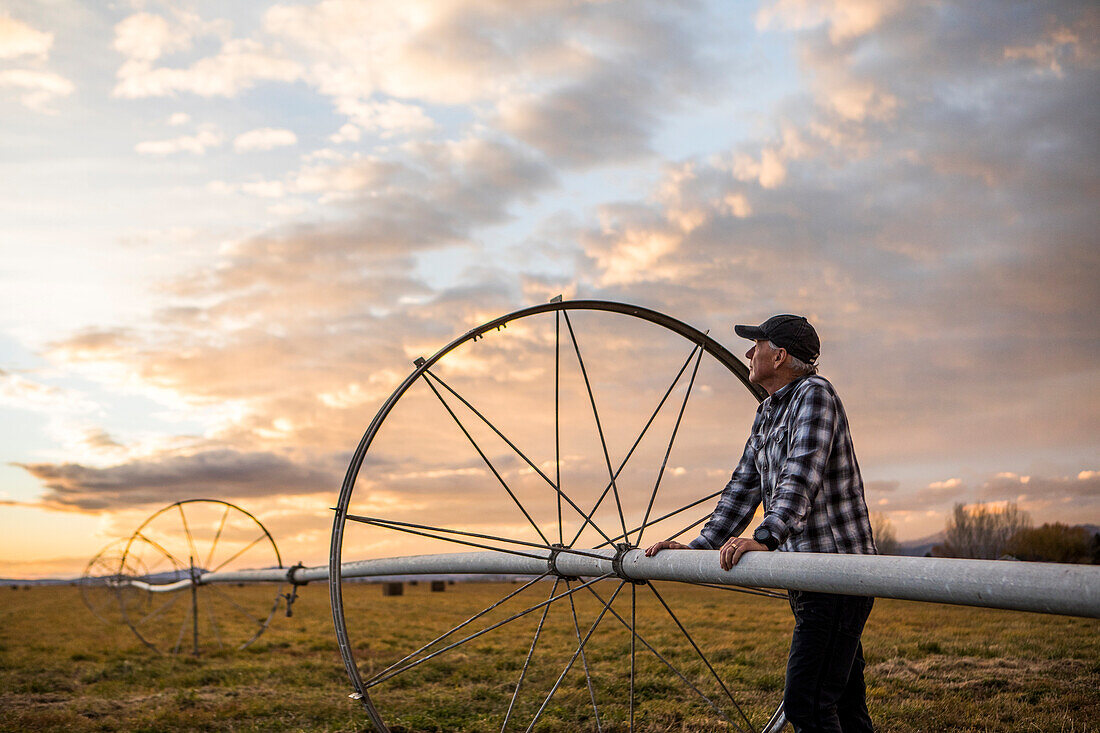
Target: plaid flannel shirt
<point x="800" y="463"/>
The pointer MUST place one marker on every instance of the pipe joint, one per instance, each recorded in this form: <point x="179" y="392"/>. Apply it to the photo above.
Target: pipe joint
<point x="617" y="562"/>
<point x="552" y="562"/>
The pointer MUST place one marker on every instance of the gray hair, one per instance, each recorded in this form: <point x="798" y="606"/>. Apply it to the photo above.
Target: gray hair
<point x="798" y="367"/>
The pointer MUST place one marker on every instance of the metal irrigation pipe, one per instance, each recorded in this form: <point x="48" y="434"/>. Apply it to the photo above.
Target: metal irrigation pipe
<point x="1072" y="590"/>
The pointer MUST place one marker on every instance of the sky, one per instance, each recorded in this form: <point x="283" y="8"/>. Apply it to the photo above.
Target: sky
<point x="227" y="229"/>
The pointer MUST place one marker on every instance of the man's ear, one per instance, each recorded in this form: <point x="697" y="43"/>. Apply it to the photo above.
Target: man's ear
<point x="780" y="357"/>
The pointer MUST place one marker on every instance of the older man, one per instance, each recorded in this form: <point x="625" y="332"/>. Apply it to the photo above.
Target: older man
<point x="799" y="462"/>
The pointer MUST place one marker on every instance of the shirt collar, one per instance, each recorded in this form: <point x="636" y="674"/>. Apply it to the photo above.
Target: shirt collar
<point x="783" y="392"/>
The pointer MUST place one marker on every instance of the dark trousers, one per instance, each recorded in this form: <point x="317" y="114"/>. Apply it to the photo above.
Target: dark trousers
<point x="825" y="689"/>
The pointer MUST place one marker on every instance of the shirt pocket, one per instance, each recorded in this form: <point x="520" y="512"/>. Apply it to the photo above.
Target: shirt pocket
<point x="775" y="449"/>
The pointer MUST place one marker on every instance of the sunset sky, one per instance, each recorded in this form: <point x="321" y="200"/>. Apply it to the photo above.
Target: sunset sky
<point x="228" y="228"/>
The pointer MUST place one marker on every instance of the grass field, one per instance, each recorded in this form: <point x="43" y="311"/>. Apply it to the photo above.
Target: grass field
<point x="930" y="667"/>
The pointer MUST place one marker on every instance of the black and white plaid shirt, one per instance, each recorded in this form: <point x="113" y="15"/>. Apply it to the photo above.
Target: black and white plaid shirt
<point x="800" y="462"/>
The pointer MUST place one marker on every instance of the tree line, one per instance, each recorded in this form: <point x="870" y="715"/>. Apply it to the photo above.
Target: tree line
<point x="986" y="532"/>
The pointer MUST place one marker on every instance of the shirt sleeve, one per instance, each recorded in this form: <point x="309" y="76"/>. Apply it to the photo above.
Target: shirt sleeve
<point x="814" y="424"/>
<point x="736" y="505"/>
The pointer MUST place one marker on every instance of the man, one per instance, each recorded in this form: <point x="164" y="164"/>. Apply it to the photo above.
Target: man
<point x="800" y="463"/>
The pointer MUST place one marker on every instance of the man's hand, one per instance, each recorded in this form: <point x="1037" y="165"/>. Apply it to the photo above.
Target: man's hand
<point x="664" y="545"/>
<point x="735" y="547"/>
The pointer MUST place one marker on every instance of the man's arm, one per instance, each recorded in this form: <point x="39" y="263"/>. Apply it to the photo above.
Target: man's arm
<point x="801" y="475"/>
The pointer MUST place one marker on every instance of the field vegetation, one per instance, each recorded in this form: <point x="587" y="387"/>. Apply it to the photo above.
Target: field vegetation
<point x="930" y="667"/>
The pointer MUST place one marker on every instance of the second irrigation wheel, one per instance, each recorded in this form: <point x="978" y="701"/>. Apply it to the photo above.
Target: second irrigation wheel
<point x="574" y="424"/>
<point x="105" y="585"/>
<point x="175" y="546"/>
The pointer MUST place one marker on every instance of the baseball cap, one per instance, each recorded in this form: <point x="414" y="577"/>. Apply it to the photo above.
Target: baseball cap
<point x="793" y="333"/>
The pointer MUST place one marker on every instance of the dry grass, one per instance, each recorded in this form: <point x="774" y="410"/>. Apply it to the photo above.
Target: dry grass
<point x="931" y="667"/>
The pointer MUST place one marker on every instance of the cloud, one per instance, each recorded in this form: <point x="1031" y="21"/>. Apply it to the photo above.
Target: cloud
<point x="240" y="65"/>
<point x="1047" y="498"/>
<point x="433" y="193"/>
<point x="844" y="19"/>
<point x="608" y="110"/>
<point x="38" y="88"/>
<point x="599" y="120"/>
<point x="207" y="137"/>
<point x="1061" y="44"/>
<point x="1085" y="486"/>
<point x="388" y="119"/>
<point x="347" y="133"/>
<point x="444" y="54"/>
<point x="264" y="138"/>
<point x="221" y="472"/>
<point x="146" y="37"/>
<point x="589" y="87"/>
<point x="26" y="394"/>
<point x="19" y="39"/>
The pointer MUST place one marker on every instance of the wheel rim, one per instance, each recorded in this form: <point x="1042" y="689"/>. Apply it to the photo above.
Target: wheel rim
<point x="563" y="315"/>
<point x="181" y="542"/>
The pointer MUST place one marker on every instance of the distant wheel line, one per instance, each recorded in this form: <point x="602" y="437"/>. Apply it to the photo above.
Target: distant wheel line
<point x="193" y="572"/>
<point x="701" y="342"/>
<point x="105" y="576"/>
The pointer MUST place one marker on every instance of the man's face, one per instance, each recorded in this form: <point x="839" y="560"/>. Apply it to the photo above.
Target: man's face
<point x="761" y="362"/>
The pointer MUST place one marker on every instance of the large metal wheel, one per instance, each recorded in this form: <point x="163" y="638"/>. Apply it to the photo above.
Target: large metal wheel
<point x="545" y="436"/>
<point x="174" y="547"/>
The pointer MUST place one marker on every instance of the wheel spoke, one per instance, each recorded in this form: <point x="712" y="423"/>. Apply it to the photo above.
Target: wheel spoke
<point x="557" y="419"/>
<point x="530" y="653"/>
<point x="599" y="426"/>
<point x="153" y="568"/>
<point x="485" y="458"/>
<point x="667" y="663"/>
<point x="629" y="453"/>
<point x="580" y="647"/>
<point x="484" y="631"/>
<point x="179" y="639"/>
<point x="468" y="621"/>
<point x="668" y="451"/>
<point x="398" y="526"/>
<point x="738" y="589"/>
<point x="172" y="558"/>
<point x="159" y="609"/>
<point x="584" y="661"/>
<point x="633" y="639"/>
<point x="240" y="609"/>
<point x="671" y="514"/>
<point x="702" y="656"/>
<point x="240" y="552"/>
<point x="217" y="535"/>
<point x="214" y="625"/>
<point x="454" y="540"/>
<point x="190" y="539"/>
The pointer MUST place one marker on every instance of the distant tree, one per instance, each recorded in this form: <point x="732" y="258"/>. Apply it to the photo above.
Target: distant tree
<point x="981" y="531"/>
<point x="1053" y="543"/>
<point x="886" y="539"/>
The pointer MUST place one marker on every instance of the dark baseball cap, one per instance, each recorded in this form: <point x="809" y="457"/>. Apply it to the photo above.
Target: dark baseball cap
<point x="793" y="333"/>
